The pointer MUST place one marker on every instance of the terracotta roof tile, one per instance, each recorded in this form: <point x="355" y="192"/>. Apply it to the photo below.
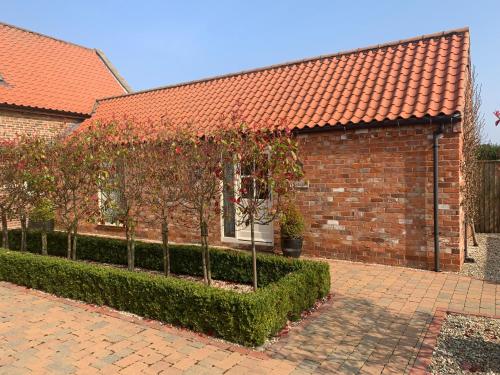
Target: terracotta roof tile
<point x="411" y="78"/>
<point x="45" y="73"/>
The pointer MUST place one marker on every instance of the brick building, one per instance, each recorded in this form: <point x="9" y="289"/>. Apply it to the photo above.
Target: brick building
<point x="367" y="121"/>
<point x="49" y="85"/>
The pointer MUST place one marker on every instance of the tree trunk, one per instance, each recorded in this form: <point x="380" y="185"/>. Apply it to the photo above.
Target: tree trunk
<point x="5" y="231"/>
<point x="73" y="247"/>
<point x="130" y="248"/>
<point x="473" y="231"/>
<point x="68" y="234"/>
<point x="74" y="227"/>
<point x="203" y="255"/>
<point x="466" y="242"/>
<point x="207" y="254"/>
<point x="204" y="260"/>
<point x="129" y="261"/>
<point x="166" y="249"/>
<point x="254" y="253"/>
<point x="44" y="241"/>
<point x="23" y="232"/>
<point x="207" y="273"/>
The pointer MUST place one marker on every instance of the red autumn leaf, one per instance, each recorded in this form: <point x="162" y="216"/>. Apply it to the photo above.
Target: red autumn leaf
<point x="21" y="165"/>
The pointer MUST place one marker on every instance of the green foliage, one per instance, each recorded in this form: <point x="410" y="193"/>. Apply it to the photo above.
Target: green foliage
<point x="489" y="151"/>
<point x="25" y="179"/>
<point x="292" y="222"/>
<point x="185" y="259"/>
<point x="76" y="165"/>
<point x="289" y="285"/>
<point x="43" y="210"/>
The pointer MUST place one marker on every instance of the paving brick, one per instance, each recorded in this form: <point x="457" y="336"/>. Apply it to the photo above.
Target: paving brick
<point x="354" y="332"/>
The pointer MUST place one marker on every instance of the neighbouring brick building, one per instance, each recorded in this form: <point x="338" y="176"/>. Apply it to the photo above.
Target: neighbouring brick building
<point x="49" y="85"/>
<point x="366" y="121"/>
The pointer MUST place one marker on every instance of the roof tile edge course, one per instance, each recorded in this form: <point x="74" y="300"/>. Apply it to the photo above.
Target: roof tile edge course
<point x="114" y="71"/>
<point x="462" y="30"/>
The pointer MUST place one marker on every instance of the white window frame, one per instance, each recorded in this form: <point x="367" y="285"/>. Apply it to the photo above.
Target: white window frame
<point x="235" y="239"/>
<point x="103" y="220"/>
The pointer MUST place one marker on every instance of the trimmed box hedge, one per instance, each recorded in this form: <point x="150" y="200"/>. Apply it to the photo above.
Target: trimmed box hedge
<point x="289" y="286"/>
<point x="226" y="264"/>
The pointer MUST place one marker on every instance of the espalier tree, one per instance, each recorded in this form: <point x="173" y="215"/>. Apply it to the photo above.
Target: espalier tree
<point x="266" y="167"/>
<point x="165" y="171"/>
<point x="76" y="164"/>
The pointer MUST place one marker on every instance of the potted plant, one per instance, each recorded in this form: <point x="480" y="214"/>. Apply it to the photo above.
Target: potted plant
<point x="292" y="230"/>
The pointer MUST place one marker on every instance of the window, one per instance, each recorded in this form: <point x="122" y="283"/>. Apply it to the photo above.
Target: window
<point x="253" y="186"/>
<point x="111" y="201"/>
<point x="110" y="204"/>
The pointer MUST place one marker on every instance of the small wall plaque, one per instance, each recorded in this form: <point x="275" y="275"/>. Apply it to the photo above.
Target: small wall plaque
<point x="302" y="184"/>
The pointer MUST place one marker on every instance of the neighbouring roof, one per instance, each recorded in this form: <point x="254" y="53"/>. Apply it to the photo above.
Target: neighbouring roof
<point x="411" y="78"/>
<point x="49" y="74"/>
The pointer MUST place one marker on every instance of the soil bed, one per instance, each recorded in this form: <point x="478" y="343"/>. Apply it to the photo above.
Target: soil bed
<point x="222" y="284"/>
<point x="467" y="344"/>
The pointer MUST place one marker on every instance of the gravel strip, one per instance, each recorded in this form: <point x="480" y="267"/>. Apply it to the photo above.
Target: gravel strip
<point x="467" y="344"/>
<point x="486" y="256"/>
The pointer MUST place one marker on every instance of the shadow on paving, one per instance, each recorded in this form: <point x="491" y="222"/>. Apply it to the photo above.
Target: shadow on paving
<point x="352" y="333"/>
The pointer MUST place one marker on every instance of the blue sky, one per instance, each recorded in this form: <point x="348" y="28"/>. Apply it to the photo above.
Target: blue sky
<point x="154" y="43"/>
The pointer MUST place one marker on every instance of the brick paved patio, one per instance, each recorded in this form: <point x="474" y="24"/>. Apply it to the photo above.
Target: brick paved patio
<point x="375" y="323"/>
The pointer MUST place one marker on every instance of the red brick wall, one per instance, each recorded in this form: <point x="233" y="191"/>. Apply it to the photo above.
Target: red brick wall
<point x="18" y="122"/>
<point x="370" y="196"/>
<point x="369" y="199"/>
<point x="183" y="228"/>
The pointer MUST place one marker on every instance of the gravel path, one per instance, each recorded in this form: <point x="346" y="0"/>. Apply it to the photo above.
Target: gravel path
<point x="467" y="344"/>
<point x="486" y="256"/>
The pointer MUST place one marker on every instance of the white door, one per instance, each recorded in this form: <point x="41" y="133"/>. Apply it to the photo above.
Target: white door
<point x="262" y="232"/>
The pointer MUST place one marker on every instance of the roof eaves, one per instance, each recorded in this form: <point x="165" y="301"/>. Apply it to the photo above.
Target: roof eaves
<point x="114" y="71"/>
<point x="43" y="110"/>
<point x="463" y="30"/>
<point x="400" y="121"/>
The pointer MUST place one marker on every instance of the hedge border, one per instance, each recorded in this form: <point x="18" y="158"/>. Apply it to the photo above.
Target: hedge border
<point x="227" y="264"/>
<point x="244" y="318"/>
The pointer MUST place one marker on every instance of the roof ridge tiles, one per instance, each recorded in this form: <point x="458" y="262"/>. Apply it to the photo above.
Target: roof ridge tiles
<point x="293" y="63"/>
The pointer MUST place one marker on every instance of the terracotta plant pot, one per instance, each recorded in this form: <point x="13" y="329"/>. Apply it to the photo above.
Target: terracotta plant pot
<point x="291" y="247"/>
